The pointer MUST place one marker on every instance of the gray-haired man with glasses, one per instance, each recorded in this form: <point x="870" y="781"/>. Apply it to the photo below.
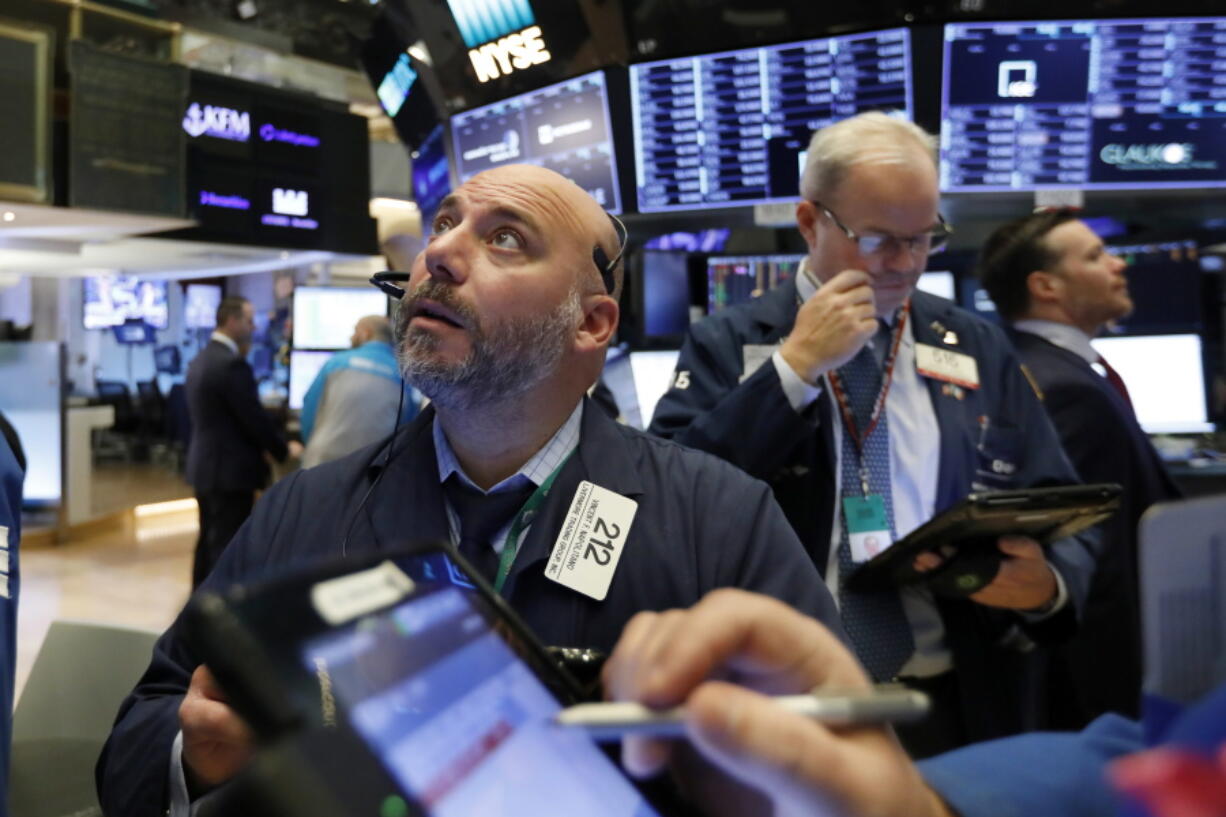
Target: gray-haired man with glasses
<point x="869" y="407"/>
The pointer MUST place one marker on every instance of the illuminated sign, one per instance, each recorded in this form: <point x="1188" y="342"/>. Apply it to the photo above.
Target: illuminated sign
<point x="481" y="21"/>
<point x="517" y="51"/>
<point x="218" y="122"/>
<point x="289" y="202"/>
<point x="290" y="208"/>
<point x="271" y="133"/>
<point x="1172" y="154"/>
<point x="395" y="87"/>
<point x="228" y="202"/>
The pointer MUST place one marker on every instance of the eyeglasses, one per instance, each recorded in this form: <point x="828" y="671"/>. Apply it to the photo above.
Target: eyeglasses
<point x="929" y="242"/>
<point x="605" y="266"/>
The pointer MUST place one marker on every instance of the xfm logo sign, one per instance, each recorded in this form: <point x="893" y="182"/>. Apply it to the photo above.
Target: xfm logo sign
<point x="502" y="36"/>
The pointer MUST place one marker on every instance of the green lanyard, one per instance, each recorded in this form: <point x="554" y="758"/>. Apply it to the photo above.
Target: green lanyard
<point x="522" y="520"/>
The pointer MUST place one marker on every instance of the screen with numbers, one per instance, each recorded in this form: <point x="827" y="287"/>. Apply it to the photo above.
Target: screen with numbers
<point x="728" y="129"/>
<point x="563" y="127"/>
<point x="1097" y="104"/>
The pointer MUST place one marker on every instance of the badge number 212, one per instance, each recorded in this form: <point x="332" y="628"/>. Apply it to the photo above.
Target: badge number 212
<point x="602" y="551"/>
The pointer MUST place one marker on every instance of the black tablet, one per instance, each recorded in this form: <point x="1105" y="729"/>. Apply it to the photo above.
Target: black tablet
<point x="966" y="535"/>
<point x="404" y="669"/>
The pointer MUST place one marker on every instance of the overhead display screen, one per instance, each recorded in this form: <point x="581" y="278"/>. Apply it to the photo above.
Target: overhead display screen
<point x="728" y="129"/>
<point x="563" y="127"/>
<point x="1097" y="104"/>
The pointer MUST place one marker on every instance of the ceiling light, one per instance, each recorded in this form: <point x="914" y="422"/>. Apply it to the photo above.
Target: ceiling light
<point x="9" y="215"/>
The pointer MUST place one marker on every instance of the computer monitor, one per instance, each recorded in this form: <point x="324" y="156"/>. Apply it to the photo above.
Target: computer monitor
<point x="134" y="332"/>
<point x="564" y="127"/>
<point x="736" y="279"/>
<point x="662" y="289"/>
<point x="167" y="360"/>
<point x="324" y="317"/>
<point x="200" y="302"/>
<point x="940" y="283"/>
<point x="653" y="375"/>
<point x="109" y="300"/>
<point x="304" y="365"/>
<point x="1165" y="376"/>
<point x="727" y="129"/>
<point x="431" y="175"/>
<point x="1082" y="104"/>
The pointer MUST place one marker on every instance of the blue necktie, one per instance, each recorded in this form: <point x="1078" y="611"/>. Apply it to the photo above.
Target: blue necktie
<point x="481" y="516"/>
<point x="874" y="621"/>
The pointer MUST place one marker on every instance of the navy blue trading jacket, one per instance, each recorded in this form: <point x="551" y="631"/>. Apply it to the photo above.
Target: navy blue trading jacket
<point x="751" y="424"/>
<point x="700" y="524"/>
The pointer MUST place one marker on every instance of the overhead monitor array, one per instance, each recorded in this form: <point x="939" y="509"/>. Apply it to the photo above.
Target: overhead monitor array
<point x="729" y="129"/>
<point x="1091" y="105"/>
<point x="564" y="127"/>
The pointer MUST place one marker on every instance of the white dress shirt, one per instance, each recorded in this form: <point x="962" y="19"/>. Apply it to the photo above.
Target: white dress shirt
<point x="915" y="448"/>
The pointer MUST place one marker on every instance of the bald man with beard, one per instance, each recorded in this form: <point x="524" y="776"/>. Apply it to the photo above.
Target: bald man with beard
<point x="504" y="324"/>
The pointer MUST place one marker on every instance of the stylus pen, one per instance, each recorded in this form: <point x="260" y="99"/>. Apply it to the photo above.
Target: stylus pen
<point x="613" y="721"/>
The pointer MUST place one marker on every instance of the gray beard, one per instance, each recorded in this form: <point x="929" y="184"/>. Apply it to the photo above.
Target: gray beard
<point x="507" y="359"/>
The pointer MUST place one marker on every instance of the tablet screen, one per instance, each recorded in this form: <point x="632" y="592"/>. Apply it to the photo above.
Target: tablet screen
<point x="459" y="720"/>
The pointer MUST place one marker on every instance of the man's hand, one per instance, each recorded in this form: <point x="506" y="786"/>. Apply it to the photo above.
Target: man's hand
<point x="217" y="743"/>
<point x="295" y="449"/>
<point x="1025" y="580"/>
<point x="748" y="750"/>
<point x="832" y="326"/>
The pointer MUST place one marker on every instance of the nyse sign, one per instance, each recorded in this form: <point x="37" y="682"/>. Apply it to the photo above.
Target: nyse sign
<point x="514" y="52"/>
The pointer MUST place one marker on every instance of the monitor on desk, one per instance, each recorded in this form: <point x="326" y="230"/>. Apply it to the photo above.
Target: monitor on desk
<point x="324" y="317"/>
<point x="1165" y="376"/>
<point x="303" y="367"/>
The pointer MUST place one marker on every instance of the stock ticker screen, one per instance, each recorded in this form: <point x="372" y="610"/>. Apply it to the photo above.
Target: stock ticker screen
<point x="728" y="129"/>
<point x="1096" y="104"/>
<point x="564" y="127"/>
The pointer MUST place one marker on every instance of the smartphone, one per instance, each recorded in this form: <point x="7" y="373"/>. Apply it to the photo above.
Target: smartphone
<point x="416" y="674"/>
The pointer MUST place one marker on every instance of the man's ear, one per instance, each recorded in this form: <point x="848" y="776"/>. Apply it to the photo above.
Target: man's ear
<point x="1043" y="286"/>
<point x="806" y="221"/>
<point x="600" y="316"/>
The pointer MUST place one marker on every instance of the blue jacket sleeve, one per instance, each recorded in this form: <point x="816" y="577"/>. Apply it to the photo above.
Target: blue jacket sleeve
<point x="1048" y="773"/>
<point x="11" y="478"/>
<point x="748" y="423"/>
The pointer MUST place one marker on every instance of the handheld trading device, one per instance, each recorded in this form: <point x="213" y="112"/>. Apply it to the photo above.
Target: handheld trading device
<point x="408" y="675"/>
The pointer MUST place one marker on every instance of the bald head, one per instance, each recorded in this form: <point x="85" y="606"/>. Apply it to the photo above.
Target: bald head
<point x="372" y="327"/>
<point x="558" y="202"/>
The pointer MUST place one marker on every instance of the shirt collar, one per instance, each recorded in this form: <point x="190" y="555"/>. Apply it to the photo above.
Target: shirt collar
<point x="1067" y="337"/>
<point x="536" y="470"/>
<point x="225" y="340"/>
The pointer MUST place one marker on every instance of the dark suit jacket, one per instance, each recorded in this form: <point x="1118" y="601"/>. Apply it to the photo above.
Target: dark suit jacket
<point x="1102" y="438"/>
<point x="751" y="424"/>
<point x="230" y="429"/>
<point x="700" y="524"/>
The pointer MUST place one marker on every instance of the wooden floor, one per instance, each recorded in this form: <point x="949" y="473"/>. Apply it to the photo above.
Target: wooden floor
<point x="138" y="575"/>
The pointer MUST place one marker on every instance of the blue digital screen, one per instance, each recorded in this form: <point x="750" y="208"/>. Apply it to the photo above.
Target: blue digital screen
<point x="563" y="127"/>
<point x="728" y="129"/>
<point x="1095" y="104"/>
<point x="431" y="174"/>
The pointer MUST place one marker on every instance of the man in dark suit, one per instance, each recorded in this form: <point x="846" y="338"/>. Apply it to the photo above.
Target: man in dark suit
<point x="504" y="325"/>
<point x="230" y="433"/>
<point x="776" y="386"/>
<point x="1057" y="285"/>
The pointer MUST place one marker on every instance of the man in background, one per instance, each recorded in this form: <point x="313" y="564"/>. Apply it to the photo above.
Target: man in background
<point x="353" y="401"/>
<point x="870" y="407"/>
<point x="230" y="433"/>
<point x="1057" y="285"/>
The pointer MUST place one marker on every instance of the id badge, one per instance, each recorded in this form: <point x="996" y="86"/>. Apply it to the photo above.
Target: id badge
<point x="868" y="529"/>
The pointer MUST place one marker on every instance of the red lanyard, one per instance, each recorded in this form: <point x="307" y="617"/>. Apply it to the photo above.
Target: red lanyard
<point x="849" y="420"/>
